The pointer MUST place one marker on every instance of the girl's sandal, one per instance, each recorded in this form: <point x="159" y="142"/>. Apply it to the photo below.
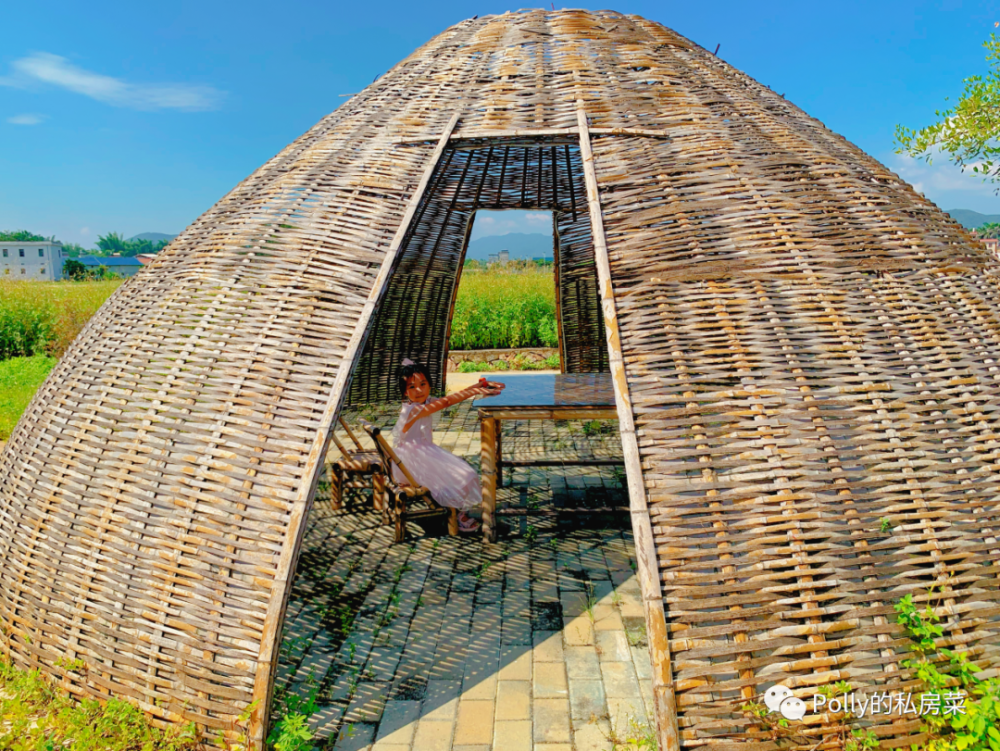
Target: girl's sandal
<point x="468" y="525"/>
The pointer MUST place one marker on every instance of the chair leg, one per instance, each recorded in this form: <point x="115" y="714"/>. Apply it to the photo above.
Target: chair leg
<point x="400" y="518"/>
<point x="336" y="488"/>
<point x="385" y="501"/>
<point x="378" y="491"/>
<point x="453" y="522"/>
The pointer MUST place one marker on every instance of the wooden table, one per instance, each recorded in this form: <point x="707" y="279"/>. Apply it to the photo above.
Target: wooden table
<point x="576" y="396"/>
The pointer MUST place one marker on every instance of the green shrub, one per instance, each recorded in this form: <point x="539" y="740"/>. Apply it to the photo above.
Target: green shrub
<point x="976" y="727"/>
<point x="520" y="363"/>
<point x="37" y="317"/>
<point x="499" y="310"/>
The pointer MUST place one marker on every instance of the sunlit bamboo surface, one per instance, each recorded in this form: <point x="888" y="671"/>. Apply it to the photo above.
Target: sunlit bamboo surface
<point x="807" y="345"/>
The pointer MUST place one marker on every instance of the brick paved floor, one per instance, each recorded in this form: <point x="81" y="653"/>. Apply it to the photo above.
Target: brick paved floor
<point x="536" y="642"/>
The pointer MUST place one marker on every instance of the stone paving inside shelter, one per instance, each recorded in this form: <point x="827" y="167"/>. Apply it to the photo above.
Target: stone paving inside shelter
<point x="449" y="644"/>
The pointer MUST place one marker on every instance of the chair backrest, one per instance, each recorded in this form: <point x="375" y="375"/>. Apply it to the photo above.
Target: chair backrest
<point x="351" y="434"/>
<point x="343" y="450"/>
<point x="386" y="453"/>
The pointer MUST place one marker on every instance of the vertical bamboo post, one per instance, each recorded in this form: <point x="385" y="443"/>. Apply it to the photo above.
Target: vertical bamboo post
<point x="557" y="279"/>
<point x="378" y="490"/>
<point x="498" y="454"/>
<point x="487" y="468"/>
<point x="645" y="549"/>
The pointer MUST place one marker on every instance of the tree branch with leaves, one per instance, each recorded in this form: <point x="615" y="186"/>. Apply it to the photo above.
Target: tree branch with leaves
<point x="967" y="133"/>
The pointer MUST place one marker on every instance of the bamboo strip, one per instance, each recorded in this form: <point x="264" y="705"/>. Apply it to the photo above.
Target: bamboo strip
<point x="645" y="549"/>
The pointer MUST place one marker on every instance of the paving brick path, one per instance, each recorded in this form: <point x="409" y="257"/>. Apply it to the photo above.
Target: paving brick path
<point x="536" y="642"/>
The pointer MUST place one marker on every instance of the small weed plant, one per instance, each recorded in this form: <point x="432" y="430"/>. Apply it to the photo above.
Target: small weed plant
<point x="597" y="428"/>
<point x="636" y="636"/>
<point x="633" y="735"/>
<point x="291" y="732"/>
<point x="947" y="681"/>
<point x="591" y="599"/>
<point x="975" y="729"/>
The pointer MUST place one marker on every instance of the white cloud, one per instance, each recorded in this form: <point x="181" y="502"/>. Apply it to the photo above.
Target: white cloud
<point x="84" y="231"/>
<point x="940" y="176"/>
<point x="488" y="222"/>
<point x="26" y="119"/>
<point x="46" y="68"/>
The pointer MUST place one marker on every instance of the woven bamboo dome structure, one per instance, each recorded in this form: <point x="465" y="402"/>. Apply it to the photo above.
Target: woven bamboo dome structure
<point x="802" y="346"/>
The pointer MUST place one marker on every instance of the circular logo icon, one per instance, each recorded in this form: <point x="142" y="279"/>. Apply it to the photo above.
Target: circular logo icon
<point x="775" y="695"/>
<point x="792" y="708"/>
<point x="779" y="698"/>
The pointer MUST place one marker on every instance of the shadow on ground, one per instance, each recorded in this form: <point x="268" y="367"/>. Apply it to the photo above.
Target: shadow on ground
<point x="448" y="643"/>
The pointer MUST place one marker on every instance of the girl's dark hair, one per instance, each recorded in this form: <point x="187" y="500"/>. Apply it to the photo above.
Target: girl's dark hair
<point x="409" y="370"/>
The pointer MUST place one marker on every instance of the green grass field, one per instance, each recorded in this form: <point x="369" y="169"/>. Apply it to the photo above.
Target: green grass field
<point x="39" y="320"/>
<point x="498" y="310"/>
<point x="44" y="317"/>
<point x="20" y="378"/>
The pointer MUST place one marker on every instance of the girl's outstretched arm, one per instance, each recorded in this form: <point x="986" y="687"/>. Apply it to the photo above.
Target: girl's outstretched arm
<point x="430" y="407"/>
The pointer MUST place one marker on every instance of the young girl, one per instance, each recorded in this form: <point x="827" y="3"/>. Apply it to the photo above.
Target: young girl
<point x="451" y="480"/>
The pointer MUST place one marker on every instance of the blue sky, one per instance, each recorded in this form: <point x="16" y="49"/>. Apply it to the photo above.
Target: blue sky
<point x="134" y="117"/>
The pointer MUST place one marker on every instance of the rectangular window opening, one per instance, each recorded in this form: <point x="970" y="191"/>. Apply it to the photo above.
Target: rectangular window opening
<point x="506" y="295"/>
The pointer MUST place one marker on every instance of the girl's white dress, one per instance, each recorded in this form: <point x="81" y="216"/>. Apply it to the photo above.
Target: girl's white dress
<point x="451" y="480"/>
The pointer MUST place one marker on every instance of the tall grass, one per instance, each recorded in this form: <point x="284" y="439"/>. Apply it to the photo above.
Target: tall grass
<point x="44" y="317"/>
<point x="495" y="309"/>
<point x="498" y="309"/>
<point x="20" y="378"/>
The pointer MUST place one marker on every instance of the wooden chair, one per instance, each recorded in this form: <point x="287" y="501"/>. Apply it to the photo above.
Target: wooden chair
<point x="353" y="470"/>
<point x="409" y="502"/>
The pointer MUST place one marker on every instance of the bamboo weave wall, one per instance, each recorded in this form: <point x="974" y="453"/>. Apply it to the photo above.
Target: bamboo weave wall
<point x="809" y="346"/>
<point x="415" y="316"/>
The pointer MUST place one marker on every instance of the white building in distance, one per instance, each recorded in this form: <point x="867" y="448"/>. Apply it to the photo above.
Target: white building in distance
<point x="502" y="257"/>
<point x="31" y="261"/>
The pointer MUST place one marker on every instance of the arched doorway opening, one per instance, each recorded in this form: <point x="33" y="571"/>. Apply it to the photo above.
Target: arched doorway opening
<point x="571" y="585"/>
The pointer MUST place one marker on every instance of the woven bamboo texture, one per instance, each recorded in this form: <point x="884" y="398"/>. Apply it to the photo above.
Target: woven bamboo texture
<point x="808" y="346"/>
<point x="415" y="318"/>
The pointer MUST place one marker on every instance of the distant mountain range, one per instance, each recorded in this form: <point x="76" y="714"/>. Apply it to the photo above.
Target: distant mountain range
<point x="518" y="245"/>
<point x="153" y="237"/>
<point x="972" y="219"/>
<point x="539" y="245"/>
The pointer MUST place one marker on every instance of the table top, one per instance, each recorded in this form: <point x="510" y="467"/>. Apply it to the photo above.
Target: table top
<point x="552" y="390"/>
